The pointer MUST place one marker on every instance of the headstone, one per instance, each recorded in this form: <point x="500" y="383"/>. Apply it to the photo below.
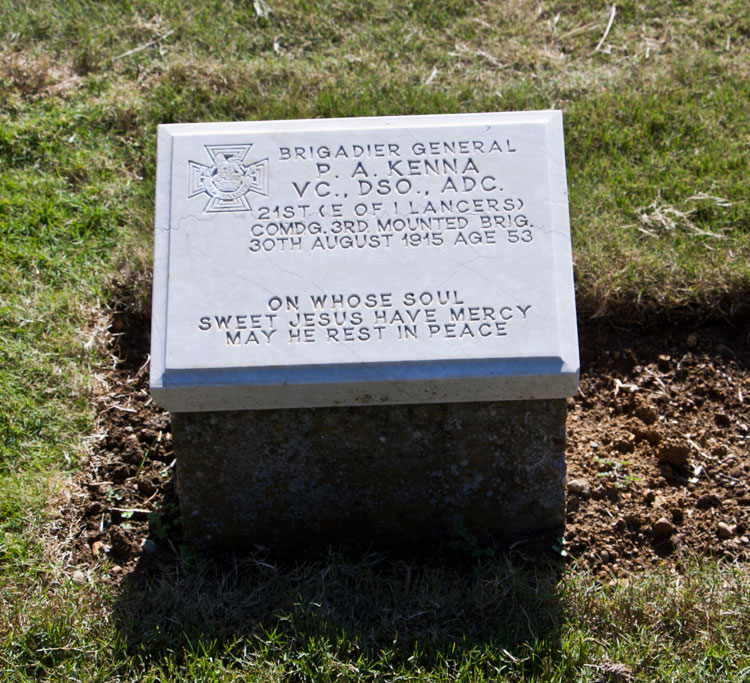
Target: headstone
<point x="305" y="267"/>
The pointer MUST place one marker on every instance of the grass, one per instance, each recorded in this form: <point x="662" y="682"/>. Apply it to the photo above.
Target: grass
<point x="657" y="137"/>
<point x="378" y="620"/>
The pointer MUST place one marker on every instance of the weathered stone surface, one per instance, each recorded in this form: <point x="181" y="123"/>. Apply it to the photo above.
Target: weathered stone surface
<point x="384" y="476"/>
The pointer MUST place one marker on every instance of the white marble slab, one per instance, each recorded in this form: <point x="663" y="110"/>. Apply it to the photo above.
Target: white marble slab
<point x="362" y="261"/>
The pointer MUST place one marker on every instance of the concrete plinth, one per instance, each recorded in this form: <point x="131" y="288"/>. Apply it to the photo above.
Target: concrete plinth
<point x="381" y="476"/>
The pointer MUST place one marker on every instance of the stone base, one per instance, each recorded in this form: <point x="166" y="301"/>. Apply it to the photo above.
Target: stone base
<point x="382" y="476"/>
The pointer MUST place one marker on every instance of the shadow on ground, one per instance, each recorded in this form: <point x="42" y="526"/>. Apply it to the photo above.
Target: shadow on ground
<point x="410" y="612"/>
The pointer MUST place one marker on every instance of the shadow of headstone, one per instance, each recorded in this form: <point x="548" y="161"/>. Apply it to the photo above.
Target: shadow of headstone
<point x="383" y="611"/>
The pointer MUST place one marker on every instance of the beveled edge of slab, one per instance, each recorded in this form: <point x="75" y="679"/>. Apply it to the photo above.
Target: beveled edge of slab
<point x="379" y="384"/>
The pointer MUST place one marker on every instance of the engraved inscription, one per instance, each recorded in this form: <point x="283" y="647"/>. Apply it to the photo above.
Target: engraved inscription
<point x="430" y="194"/>
<point x="367" y="318"/>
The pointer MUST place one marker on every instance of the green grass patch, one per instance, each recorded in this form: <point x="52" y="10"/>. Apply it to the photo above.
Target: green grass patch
<point x="373" y="620"/>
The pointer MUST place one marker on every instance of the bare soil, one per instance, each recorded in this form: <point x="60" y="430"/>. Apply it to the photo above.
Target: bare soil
<point x="658" y="453"/>
<point x="659" y="447"/>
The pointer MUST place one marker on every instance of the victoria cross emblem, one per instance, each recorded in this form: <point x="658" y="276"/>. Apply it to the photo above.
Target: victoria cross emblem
<point x="228" y="179"/>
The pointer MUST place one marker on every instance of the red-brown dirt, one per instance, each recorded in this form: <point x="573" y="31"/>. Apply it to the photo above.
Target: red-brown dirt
<point x="659" y="447"/>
